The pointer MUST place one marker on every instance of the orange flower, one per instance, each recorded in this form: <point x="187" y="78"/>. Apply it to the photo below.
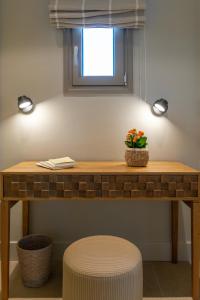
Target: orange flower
<point x="135" y="138"/>
<point x="141" y="133"/>
<point x="132" y="131"/>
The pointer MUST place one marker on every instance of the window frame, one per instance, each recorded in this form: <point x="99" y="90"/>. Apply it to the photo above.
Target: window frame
<point x="115" y="85"/>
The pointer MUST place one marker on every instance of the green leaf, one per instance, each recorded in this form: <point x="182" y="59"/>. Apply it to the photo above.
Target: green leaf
<point x="142" y="142"/>
<point x="129" y="144"/>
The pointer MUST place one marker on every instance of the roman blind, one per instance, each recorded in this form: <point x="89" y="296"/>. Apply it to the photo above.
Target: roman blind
<point x="97" y="13"/>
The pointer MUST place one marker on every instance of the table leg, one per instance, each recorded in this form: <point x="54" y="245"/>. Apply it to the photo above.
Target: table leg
<point x="174" y="230"/>
<point x="195" y="222"/>
<point x="5" y="247"/>
<point x="25" y="217"/>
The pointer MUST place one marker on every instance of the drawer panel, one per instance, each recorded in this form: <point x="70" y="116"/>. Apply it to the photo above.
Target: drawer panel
<point x="100" y="186"/>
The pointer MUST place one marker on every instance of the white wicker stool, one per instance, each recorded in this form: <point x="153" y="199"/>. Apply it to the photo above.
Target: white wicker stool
<point x="102" y="268"/>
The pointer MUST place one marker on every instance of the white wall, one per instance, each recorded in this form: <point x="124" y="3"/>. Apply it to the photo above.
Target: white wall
<point x="31" y="63"/>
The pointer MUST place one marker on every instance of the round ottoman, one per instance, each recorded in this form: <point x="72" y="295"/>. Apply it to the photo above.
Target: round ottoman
<point x="102" y="268"/>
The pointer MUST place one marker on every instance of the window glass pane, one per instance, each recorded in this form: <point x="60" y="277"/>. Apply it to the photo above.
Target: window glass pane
<point x="98" y="52"/>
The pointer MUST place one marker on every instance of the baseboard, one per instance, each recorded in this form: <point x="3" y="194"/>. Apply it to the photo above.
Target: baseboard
<point x="189" y="251"/>
<point x="157" y="251"/>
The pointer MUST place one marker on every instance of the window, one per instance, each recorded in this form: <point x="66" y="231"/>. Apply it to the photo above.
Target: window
<point x="98" y="52"/>
<point x="98" y="60"/>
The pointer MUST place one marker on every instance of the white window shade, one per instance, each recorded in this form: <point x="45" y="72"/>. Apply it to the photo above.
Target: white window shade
<point x="97" y="13"/>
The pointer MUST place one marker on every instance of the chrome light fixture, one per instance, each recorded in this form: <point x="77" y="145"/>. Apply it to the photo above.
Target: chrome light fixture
<point x="25" y="104"/>
<point x="160" y="107"/>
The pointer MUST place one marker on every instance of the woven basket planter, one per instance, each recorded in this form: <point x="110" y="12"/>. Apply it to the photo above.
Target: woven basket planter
<point x="34" y="253"/>
<point x="135" y="157"/>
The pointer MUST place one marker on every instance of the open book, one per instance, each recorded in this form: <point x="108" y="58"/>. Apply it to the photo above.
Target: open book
<point x="57" y="163"/>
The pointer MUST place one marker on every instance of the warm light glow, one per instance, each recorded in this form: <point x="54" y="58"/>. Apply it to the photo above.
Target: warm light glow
<point x="28" y="108"/>
<point x="160" y="107"/>
<point x="24" y="105"/>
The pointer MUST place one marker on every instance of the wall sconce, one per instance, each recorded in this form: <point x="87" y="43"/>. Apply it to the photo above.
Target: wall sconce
<point x="160" y="107"/>
<point x="25" y="104"/>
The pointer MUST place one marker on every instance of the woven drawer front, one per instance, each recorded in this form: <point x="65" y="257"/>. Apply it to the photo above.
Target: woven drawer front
<point x="97" y="186"/>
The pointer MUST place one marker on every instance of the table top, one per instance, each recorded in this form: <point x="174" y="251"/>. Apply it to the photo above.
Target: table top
<point x="104" y="167"/>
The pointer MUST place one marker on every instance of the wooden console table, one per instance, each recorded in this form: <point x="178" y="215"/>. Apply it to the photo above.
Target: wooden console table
<point x="168" y="181"/>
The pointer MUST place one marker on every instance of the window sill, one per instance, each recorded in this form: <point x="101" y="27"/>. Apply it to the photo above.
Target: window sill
<point x="95" y="91"/>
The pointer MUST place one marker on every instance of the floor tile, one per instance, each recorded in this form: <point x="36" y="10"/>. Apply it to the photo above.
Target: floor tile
<point x="174" y="279"/>
<point x="160" y="279"/>
<point x="151" y="285"/>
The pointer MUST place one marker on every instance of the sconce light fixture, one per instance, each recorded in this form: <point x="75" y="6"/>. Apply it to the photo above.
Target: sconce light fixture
<point x="160" y="107"/>
<point x="25" y="104"/>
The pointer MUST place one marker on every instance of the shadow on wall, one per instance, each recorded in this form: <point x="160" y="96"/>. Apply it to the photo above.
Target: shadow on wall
<point x="31" y="54"/>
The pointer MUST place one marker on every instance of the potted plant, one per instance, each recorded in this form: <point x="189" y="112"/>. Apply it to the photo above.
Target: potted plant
<point x="137" y="154"/>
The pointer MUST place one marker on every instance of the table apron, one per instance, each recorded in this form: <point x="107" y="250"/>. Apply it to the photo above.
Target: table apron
<point x="37" y="186"/>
